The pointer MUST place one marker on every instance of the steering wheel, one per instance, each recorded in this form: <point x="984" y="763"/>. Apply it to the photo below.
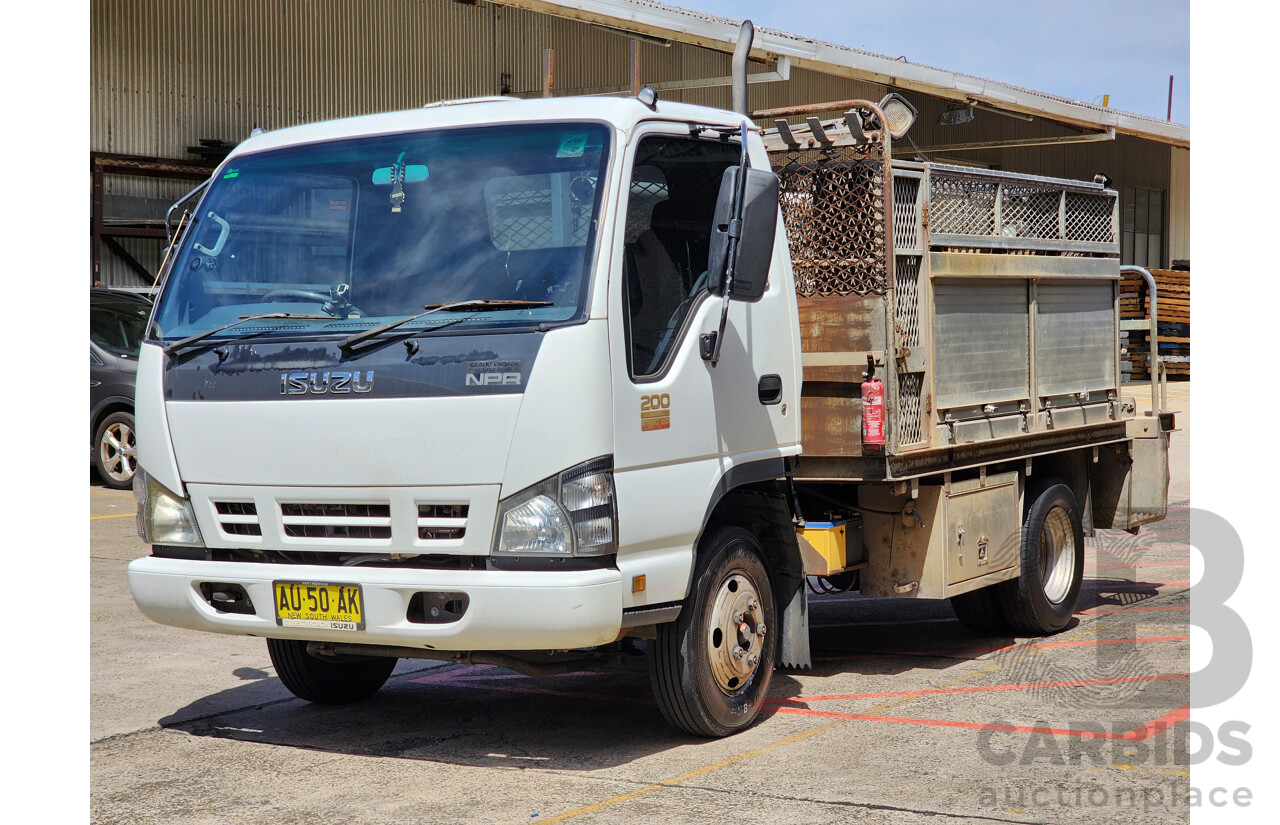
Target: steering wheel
<point x="329" y="304"/>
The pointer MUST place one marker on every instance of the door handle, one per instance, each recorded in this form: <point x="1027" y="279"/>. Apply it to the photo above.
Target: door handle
<point x="770" y="389"/>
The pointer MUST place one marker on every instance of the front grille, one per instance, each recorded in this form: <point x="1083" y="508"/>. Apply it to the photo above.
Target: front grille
<point x="442" y="522"/>
<point x="238" y="518"/>
<point x="336" y="521"/>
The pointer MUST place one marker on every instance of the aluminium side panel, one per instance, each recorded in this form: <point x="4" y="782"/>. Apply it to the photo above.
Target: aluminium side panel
<point x="1075" y="337"/>
<point x="981" y="343"/>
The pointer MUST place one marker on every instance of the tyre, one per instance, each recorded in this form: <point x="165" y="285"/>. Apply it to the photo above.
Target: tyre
<point x="324" y="682"/>
<point x="1043" y="597"/>
<point x="979" y="610"/>
<point x="115" y="450"/>
<point x="710" y="668"/>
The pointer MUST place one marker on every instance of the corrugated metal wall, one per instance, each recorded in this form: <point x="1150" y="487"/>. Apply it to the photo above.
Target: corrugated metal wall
<point x="165" y="74"/>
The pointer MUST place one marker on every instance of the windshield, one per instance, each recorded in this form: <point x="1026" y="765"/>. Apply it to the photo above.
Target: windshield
<point x="368" y="230"/>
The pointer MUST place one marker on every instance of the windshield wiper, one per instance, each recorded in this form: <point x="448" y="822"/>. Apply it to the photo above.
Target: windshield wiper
<point x="477" y="305"/>
<point x="179" y="346"/>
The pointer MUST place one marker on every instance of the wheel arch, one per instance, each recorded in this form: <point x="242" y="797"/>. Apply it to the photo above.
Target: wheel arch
<point x="1070" y="468"/>
<point x="755" y="498"/>
<point x="114" y="404"/>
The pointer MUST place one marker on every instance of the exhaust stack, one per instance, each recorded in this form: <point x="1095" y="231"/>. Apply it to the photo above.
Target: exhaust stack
<point x="740" y="53"/>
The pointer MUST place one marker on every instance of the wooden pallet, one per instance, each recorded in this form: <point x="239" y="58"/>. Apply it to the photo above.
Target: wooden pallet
<point x="1173" y="338"/>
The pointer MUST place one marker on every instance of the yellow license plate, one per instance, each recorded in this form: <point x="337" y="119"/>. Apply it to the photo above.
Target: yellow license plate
<point x="314" y="604"/>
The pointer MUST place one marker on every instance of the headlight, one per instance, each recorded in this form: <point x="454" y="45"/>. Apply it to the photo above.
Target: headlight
<point x="571" y="514"/>
<point x="163" y="517"/>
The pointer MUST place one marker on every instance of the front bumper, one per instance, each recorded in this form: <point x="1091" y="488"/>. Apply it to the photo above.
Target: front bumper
<point x="507" y="610"/>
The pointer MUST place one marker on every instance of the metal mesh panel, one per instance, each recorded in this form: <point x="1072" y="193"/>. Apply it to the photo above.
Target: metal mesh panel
<point x="833" y="207"/>
<point x="906" y="299"/>
<point x="1029" y="212"/>
<point x="958" y="206"/>
<point x="906" y="230"/>
<point x="1089" y="217"/>
<point x="522" y="214"/>
<point x="648" y="189"/>
<point x="910" y="421"/>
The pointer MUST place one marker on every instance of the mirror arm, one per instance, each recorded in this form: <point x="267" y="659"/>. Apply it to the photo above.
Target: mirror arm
<point x="712" y="353"/>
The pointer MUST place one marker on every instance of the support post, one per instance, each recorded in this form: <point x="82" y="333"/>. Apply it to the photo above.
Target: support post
<point x="548" y="71"/>
<point x="635" y="67"/>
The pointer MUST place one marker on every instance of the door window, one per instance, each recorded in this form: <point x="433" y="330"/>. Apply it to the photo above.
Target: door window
<point x="674" y="185"/>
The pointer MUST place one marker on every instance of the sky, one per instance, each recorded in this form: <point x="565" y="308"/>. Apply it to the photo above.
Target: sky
<point x="1081" y="49"/>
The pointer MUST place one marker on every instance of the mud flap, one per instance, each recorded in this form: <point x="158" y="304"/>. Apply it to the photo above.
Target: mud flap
<point x="1130" y="481"/>
<point x="793" y="649"/>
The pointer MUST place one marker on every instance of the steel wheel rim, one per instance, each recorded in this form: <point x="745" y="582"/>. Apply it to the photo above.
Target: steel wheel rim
<point x="735" y="633"/>
<point x="1057" y="555"/>
<point x="118" y="451"/>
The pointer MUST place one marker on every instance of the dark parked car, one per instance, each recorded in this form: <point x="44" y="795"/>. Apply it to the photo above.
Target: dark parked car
<point x="117" y="322"/>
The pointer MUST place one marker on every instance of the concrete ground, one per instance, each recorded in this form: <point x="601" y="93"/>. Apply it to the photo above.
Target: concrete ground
<point x="905" y="717"/>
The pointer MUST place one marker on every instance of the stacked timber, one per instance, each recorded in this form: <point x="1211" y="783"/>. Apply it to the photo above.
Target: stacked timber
<point x="1173" y="335"/>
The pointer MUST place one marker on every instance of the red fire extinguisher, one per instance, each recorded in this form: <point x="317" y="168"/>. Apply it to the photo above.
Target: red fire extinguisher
<point x="873" y="413"/>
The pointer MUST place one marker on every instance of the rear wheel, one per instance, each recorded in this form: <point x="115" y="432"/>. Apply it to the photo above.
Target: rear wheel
<point x="1043" y="597"/>
<point x="327" y="682"/>
<point x="710" y="668"/>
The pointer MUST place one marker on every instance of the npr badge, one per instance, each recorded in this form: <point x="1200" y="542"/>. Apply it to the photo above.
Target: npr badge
<point x="493" y="373"/>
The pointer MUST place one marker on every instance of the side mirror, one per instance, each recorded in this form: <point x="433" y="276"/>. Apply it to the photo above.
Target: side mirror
<point x="755" y="234"/>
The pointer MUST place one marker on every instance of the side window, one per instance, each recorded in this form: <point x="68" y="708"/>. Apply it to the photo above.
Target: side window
<point x="674" y="184"/>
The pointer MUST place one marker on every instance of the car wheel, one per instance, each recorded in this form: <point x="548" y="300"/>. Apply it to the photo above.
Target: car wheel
<point x="115" y="450"/>
<point x="324" y="682"/>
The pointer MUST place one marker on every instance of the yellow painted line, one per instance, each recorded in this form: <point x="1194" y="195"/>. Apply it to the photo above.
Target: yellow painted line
<point x="115" y="515"/>
<point x="1124" y="767"/>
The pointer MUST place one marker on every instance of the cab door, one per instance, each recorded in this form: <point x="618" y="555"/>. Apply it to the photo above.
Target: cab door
<point x="685" y="430"/>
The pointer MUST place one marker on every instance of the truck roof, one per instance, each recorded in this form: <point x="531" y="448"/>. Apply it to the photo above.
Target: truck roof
<point x="622" y="113"/>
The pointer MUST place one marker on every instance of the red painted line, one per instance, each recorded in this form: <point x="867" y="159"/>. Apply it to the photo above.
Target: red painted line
<point x="450" y="675"/>
<point x="1010" y="648"/>
<point x="1071" y="643"/>
<point x="1137" y="564"/>
<point x="1097" y="585"/>
<point x="1141" y="548"/>
<point x="1097" y="611"/>
<point x="1157" y="725"/>
<point x="567" y="694"/>
<point x="482" y="673"/>
<point x="1136" y="735"/>
<point x="978" y="689"/>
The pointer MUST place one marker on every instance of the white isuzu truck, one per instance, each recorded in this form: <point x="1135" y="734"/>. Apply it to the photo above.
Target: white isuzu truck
<point x="554" y="384"/>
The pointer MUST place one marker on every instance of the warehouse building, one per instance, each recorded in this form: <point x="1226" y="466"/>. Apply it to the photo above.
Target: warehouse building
<point x="175" y="85"/>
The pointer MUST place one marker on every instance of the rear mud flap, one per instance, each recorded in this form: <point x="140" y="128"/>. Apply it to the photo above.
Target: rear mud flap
<point x="1130" y="482"/>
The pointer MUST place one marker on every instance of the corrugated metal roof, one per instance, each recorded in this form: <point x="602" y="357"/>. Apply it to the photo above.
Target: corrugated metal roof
<point x="688" y="25"/>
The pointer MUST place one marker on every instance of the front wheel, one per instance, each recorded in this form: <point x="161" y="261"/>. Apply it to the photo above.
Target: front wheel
<point x="1043" y="597"/>
<point x="710" y="668"/>
<point x="324" y="682"/>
